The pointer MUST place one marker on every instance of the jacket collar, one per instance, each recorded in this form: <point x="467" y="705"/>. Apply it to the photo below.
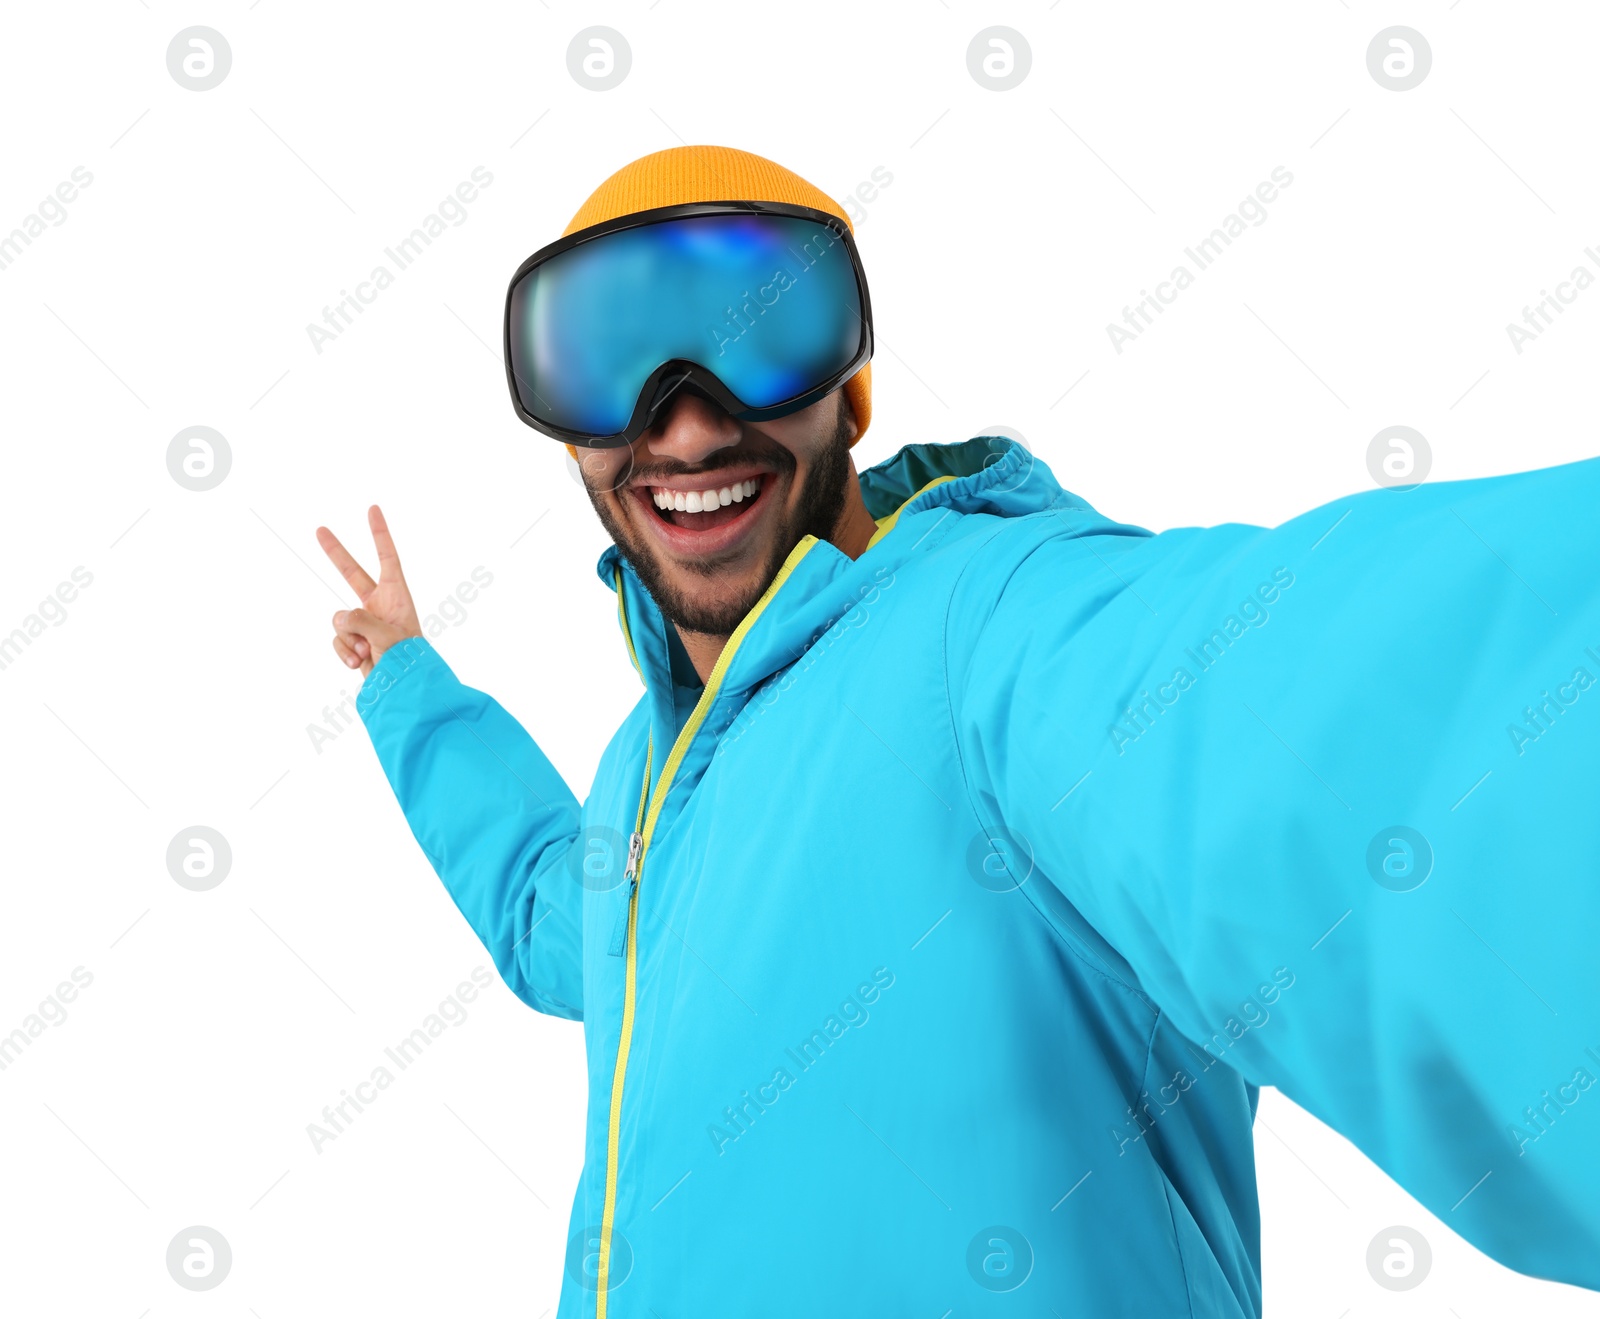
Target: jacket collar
<point x="818" y="583"/>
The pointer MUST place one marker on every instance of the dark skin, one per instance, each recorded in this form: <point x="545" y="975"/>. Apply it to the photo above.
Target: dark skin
<point x="706" y="569"/>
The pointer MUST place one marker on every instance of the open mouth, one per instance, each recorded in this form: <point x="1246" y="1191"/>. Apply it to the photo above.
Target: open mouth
<point x="706" y="509"/>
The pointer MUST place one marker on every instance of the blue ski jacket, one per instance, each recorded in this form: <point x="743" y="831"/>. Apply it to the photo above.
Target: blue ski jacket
<point x="931" y="954"/>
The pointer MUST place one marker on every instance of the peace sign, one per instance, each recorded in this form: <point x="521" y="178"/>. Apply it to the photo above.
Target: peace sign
<point x="387" y="614"/>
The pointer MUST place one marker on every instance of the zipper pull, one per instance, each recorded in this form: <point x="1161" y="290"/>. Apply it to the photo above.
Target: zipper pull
<point x="619" y="932"/>
<point x="619" y="935"/>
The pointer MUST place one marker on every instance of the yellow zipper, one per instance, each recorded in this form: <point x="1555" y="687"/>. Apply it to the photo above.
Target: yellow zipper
<point x="642" y="834"/>
<point x="622" y="617"/>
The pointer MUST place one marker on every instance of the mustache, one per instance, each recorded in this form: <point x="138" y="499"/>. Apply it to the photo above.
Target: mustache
<point x="778" y="462"/>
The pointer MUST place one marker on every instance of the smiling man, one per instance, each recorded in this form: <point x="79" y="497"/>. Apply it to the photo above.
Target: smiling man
<point x="971" y="859"/>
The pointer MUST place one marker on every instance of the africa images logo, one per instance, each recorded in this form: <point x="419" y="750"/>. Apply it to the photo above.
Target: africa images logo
<point x="452" y="210"/>
<point x="1252" y="613"/>
<point x="739" y="1119"/>
<point x="1251" y="211"/>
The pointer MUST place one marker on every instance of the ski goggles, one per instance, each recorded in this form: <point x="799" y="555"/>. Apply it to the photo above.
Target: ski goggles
<point x="760" y="307"/>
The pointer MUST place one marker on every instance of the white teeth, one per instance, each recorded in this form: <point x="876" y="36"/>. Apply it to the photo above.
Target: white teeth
<point x="705" y="501"/>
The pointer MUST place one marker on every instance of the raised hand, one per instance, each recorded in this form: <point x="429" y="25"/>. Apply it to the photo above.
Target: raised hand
<point x="387" y="614"/>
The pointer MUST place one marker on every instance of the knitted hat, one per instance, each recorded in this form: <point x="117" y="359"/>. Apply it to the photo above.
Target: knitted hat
<point x="680" y="175"/>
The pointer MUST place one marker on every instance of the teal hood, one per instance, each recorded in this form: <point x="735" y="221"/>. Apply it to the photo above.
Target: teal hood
<point x="991" y="476"/>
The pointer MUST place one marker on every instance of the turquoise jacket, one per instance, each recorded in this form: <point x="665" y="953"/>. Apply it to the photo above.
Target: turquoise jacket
<point x="930" y="956"/>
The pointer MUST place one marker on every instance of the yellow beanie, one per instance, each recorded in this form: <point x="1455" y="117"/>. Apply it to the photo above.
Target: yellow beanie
<point x="680" y="175"/>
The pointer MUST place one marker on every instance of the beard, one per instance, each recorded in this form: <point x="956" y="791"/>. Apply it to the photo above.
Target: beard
<point x="816" y="513"/>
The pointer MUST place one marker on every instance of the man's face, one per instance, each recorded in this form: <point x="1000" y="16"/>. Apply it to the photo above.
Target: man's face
<point x="774" y="482"/>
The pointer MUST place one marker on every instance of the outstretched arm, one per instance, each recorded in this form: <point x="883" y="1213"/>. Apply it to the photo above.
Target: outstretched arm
<point x="1333" y="791"/>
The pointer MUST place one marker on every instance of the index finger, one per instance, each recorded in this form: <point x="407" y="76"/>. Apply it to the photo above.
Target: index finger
<point x="388" y="560"/>
<point x="348" y="568"/>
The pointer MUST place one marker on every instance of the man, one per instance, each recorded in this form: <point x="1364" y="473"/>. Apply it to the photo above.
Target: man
<point x="971" y="859"/>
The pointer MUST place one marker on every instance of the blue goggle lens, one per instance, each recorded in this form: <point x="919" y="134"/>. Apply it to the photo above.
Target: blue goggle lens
<point x="769" y="304"/>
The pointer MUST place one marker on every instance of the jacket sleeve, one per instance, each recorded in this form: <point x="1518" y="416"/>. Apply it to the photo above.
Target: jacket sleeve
<point x="492" y="815"/>
<point x="1332" y="790"/>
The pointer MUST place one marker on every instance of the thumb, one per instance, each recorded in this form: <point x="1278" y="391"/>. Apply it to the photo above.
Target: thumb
<point x="351" y="624"/>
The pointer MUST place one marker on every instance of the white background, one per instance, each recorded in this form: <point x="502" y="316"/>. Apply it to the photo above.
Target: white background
<point x="179" y="689"/>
